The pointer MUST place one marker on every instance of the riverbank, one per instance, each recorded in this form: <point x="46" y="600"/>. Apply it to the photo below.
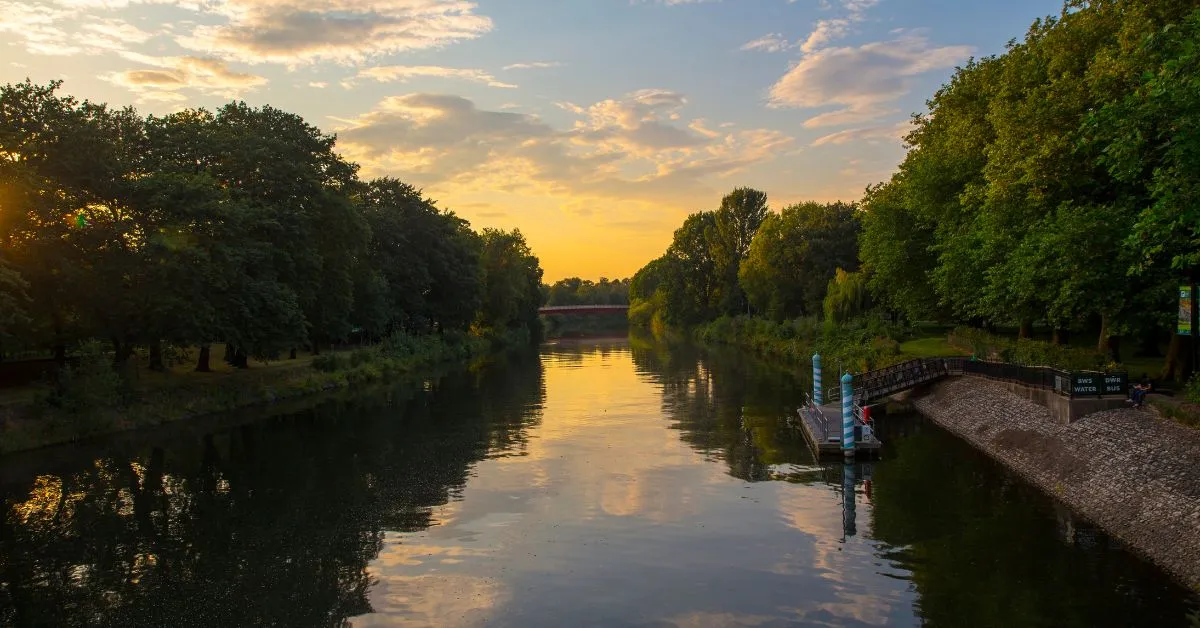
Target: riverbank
<point x="44" y="418"/>
<point x="1132" y="472"/>
<point x="860" y="344"/>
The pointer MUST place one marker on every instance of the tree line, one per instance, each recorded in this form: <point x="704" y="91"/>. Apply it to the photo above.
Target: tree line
<point x="1054" y="184"/>
<point x="576" y="291"/>
<point x="744" y="259"/>
<point x="242" y="226"/>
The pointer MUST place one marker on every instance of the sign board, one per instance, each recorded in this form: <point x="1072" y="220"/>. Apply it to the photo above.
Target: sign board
<point x="1186" y="303"/>
<point x="1116" y="383"/>
<point x="1086" y="383"/>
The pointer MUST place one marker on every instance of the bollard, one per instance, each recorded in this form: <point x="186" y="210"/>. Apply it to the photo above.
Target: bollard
<point x="847" y="415"/>
<point x="818" y="394"/>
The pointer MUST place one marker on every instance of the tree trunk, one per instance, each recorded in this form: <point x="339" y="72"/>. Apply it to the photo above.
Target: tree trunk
<point x="1149" y="344"/>
<point x="1114" y="348"/>
<point x="121" y="352"/>
<point x="228" y="357"/>
<point x="1061" y="336"/>
<point x="1026" y="330"/>
<point x="1102" y="342"/>
<point x="316" y="347"/>
<point x="240" y="360"/>
<point x="202" y="361"/>
<point x="156" y="357"/>
<point x="1179" y="359"/>
<point x="292" y="354"/>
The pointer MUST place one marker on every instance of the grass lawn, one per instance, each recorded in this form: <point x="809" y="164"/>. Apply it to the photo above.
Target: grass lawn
<point x="1152" y="366"/>
<point x="931" y="347"/>
<point x="182" y="375"/>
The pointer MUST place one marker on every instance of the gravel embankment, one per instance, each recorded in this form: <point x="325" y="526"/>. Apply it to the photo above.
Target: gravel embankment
<point x="1133" y="473"/>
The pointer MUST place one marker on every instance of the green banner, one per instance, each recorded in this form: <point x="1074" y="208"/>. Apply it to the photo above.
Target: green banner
<point x="1185" y="311"/>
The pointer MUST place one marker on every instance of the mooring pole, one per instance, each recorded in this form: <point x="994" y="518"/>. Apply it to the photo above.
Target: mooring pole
<point x="847" y="415"/>
<point x="818" y="394"/>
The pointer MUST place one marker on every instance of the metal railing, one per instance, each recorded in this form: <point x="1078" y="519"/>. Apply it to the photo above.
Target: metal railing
<point x="1074" y="384"/>
<point x="817" y="415"/>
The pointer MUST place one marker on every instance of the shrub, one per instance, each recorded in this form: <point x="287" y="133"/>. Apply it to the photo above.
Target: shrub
<point x="327" y="363"/>
<point x="1029" y="352"/>
<point x="89" y="385"/>
<point x="1191" y="390"/>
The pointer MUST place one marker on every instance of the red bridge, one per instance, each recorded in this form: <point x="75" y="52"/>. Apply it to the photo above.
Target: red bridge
<point x="568" y="310"/>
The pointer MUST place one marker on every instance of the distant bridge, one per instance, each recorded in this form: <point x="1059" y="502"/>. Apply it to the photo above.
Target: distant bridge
<point x="571" y="310"/>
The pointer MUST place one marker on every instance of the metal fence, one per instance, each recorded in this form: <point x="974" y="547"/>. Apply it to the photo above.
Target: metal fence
<point x="882" y="382"/>
<point x="1066" y="383"/>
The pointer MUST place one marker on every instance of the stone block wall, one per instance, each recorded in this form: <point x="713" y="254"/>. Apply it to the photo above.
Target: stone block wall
<point x="1133" y="473"/>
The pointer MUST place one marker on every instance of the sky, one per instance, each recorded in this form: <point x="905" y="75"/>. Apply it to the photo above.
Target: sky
<point x="594" y="126"/>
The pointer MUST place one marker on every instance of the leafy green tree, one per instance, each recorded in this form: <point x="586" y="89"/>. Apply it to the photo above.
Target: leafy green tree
<point x="14" y="300"/>
<point x="231" y="287"/>
<point x="794" y="256"/>
<point x="428" y="259"/>
<point x="733" y="229"/>
<point x="512" y="281"/>
<point x="846" y="298"/>
<point x="896" y="251"/>
<point x="690" y="276"/>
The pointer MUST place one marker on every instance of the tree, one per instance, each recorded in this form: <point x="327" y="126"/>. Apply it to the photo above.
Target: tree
<point x="846" y="298"/>
<point x="733" y="229"/>
<point x="428" y="259"/>
<point x="794" y="256"/>
<point x="896" y="251"/>
<point x="690" y="277"/>
<point x="14" y="300"/>
<point x="512" y="281"/>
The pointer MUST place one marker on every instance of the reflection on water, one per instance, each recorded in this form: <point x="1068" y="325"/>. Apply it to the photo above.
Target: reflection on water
<point x="601" y="483"/>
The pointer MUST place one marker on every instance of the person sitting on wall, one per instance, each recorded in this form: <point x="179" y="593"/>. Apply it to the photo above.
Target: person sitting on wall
<point x="1137" y="396"/>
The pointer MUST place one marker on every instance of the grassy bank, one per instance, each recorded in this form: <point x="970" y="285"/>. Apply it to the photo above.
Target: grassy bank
<point x="861" y="344"/>
<point x="869" y="342"/>
<point x="92" y="399"/>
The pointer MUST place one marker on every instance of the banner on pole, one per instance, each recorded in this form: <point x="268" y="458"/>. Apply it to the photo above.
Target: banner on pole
<point x="1186" y="304"/>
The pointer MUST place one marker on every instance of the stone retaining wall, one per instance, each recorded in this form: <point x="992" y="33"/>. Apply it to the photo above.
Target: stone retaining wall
<point x="1133" y="473"/>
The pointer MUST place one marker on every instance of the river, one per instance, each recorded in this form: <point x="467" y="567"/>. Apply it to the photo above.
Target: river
<point x="603" y="482"/>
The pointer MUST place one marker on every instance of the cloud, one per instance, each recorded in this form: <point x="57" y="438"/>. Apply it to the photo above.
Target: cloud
<point x="892" y="133"/>
<point x="771" y="42"/>
<point x="174" y="74"/>
<point x="827" y="30"/>
<point x="401" y="73"/>
<point x="318" y="84"/>
<point x="860" y="79"/>
<point x="297" y="32"/>
<point x="533" y="66"/>
<point x="824" y="31"/>
<point x="626" y="148"/>
<point x="35" y="25"/>
<point x="112" y="34"/>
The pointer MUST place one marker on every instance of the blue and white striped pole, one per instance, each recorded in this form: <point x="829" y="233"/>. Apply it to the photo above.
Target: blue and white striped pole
<point x="818" y="394"/>
<point x="847" y="415"/>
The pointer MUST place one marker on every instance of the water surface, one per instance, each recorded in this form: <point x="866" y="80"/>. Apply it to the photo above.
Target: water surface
<point x="598" y="483"/>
